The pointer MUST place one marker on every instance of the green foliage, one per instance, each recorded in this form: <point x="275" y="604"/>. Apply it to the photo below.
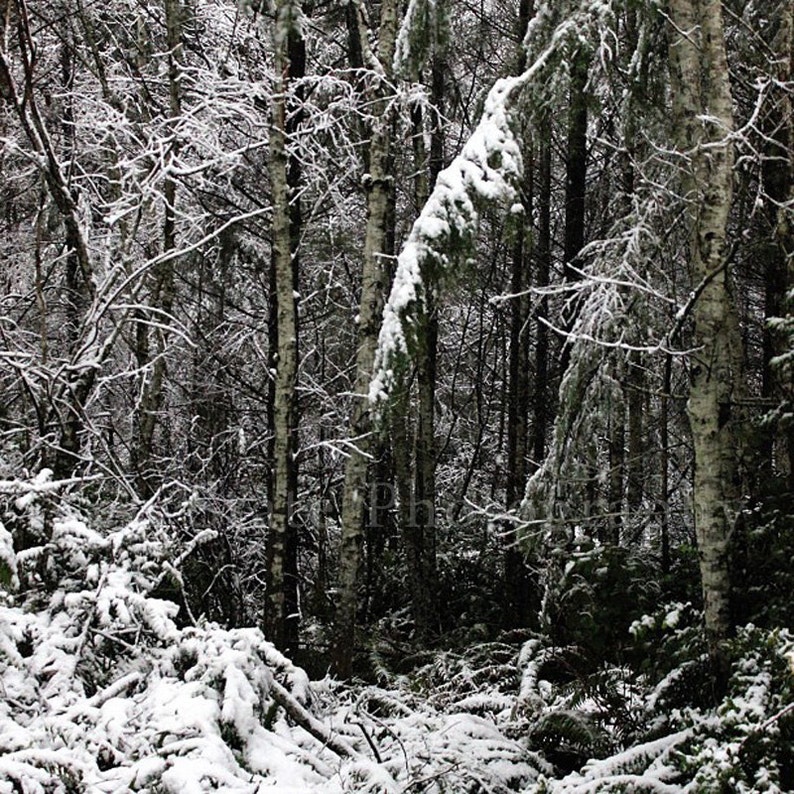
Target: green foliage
<point x="762" y="571"/>
<point x="676" y="736"/>
<point x="6" y="576"/>
<point x="681" y="583"/>
<point x="746" y="746"/>
<point x="597" y="594"/>
<point x="669" y="649"/>
<point x="569" y="738"/>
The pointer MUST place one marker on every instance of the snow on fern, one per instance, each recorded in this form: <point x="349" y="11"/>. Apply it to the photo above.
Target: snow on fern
<point x="8" y="560"/>
<point x="106" y="690"/>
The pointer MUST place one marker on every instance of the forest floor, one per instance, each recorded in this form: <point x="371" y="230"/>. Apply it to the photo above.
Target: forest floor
<point x="101" y="690"/>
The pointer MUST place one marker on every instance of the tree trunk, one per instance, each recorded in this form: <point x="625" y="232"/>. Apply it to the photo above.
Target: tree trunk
<point x="518" y="396"/>
<point x="617" y="466"/>
<point x="635" y="469"/>
<point x="72" y="392"/>
<point x="422" y="515"/>
<point x="541" y="393"/>
<point x="664" y="463"/>
<point x="281" y="619"/>
<point x="378" y="184"/>
<point x="162" y="299"/>
<point x="701" y="87"/>
<point x="777" y="448"/>
<point x="575" y="187"/>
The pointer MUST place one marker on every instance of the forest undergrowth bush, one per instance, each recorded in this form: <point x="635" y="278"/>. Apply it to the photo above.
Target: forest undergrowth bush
<point x="646" y="720"/>
<point x="105" y="685"/>
<point x="109" y="686"/>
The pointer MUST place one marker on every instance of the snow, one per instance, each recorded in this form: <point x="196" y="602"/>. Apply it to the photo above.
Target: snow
<point x="101" y="687"/>
<point x="8" y="560"/>
<point x="485" y="170"/>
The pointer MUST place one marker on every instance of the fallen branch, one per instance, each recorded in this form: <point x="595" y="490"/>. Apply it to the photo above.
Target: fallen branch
<point x="311" y="724"/>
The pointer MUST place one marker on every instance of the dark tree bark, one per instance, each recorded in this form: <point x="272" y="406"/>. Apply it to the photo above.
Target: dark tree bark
<point x="518" y="386"/>
<point x="575" y="188"/>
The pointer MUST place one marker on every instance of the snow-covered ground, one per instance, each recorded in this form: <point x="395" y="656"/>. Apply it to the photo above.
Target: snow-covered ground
<point x="103" y="688"/>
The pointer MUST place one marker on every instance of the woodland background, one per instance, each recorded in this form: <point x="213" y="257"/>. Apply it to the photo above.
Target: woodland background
<point x="448" y="344"/>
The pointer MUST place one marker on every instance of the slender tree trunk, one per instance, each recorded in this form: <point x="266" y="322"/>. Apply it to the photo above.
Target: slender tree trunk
<point x="423" y="507"/>
<point x="635" y="467"/>
<point x="575" y="187"/>
<point x="777" y="448"/>
<point x="701" y="88"/>
<point x="634" y="386"/>
<point x="664" y="464"/>
<point x="541" y="393"/>
<point x="518" y="392"/>
<point x="516" y="581"/>
<point x="378" y="184"/>
<point x="617" y="465"/>
<point x="281" y="619"/>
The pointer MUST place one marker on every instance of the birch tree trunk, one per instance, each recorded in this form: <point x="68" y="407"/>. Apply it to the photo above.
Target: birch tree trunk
<point x="378" y="185"/>
<point x="280" y="616"/>
<point x="704" y="121"/>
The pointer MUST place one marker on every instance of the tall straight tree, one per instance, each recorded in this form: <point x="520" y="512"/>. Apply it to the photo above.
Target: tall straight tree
<point x="281" y="619"/>
<point x="778" y="183"/>
<point x="575" y="187"/>
<point x="376" y="68"/>
<point x="518" y="390"/>
<point x="417" y="498"/>
<point x="703" y="117"/>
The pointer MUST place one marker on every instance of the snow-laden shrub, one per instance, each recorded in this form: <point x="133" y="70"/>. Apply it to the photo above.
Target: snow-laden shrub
<point x="764" y="578"/>
<point x="109" y="687"/>
<point x="747" y="745"/>
<point x="570" y="715"/>
<point x="670" y="651"/>
<point x="678" y="743"/>
<point x="104" y="691"/>
<point x="450" y="725"/>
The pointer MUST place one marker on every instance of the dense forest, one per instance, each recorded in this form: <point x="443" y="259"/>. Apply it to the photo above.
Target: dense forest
<point x="396" y="396"/>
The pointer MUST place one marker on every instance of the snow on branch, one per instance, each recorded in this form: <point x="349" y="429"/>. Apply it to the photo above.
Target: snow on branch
<point x="419" y="27"/>
<point x="486" y="171"/>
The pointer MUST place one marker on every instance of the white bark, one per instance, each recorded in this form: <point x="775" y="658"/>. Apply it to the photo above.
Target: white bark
<point x="378" y="184"/>
<point x="703" y="114"/>
<point x="285" y="400"/>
